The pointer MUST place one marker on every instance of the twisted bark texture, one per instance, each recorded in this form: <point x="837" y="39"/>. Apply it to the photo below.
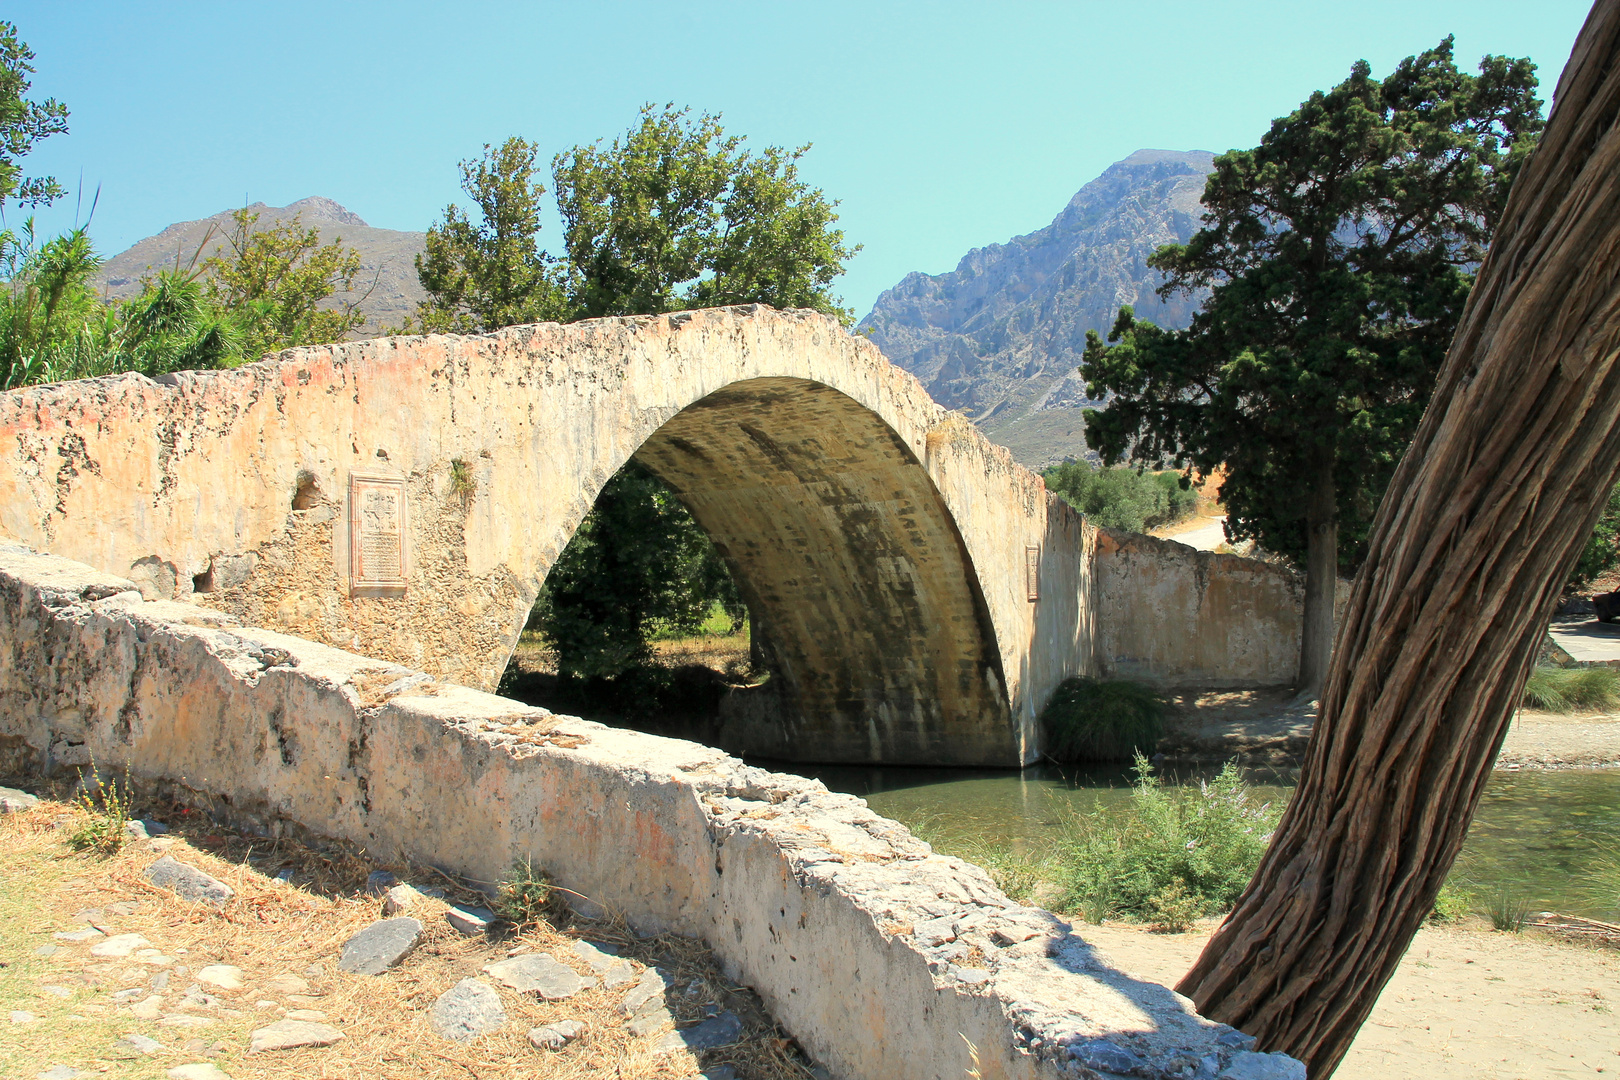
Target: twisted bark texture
<point x="1481" y="524"/>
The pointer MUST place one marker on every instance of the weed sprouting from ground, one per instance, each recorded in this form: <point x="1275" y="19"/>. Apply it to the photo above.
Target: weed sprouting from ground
<point x="527" y="897"/>
<point x="1170" y="854"/>
<point x="108" y="814"/>
<point x="1453" y="904"/>
<point x="1102" y="720"/>
<point x="1567" y="690"/>
<point x="1508" y="910"/>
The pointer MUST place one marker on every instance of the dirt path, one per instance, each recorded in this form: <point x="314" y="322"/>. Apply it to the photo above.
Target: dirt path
<point x="1465" y="1003"/>
<point x="1549" y="740"/>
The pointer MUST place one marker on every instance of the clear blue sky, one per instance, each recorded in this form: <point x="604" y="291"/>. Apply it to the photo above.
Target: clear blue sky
<point x="940" y="126"/>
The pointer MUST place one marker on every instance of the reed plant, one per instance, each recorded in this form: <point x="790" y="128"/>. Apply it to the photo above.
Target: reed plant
<point x="1567" y="690"/>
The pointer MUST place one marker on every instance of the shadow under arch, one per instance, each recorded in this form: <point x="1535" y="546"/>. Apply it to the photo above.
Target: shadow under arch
<point x="880" y="640"/>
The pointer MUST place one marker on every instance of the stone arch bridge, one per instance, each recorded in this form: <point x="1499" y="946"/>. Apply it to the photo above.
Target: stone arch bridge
<point x="404" y="498"/>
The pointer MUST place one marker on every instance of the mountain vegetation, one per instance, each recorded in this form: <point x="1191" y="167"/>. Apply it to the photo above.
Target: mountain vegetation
<point x="1338" y="255"/>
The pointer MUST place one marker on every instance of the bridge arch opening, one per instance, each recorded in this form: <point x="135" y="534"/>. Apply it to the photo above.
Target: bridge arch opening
<point x="877" y="634"/>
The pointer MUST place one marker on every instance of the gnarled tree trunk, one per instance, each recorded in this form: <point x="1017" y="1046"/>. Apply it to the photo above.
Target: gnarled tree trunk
<point x="1481" y="524"/>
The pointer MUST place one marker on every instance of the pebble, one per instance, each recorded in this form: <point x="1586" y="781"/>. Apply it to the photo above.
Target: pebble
<point x="380" y="946"/>
<point x="124" y="908"/>
<point x="648" y="1020"/>
<point x="1104" y="1056"/>
<point x="310" y="1016"/>
<point x="556" y="1036"/>
<point x="615" y="972"/>
<point x="188" y="882"/>
<point x="128" y="995"/>
<point x="58" y="1072"/>
<point x="467" y="1010"/>
<point x="202" y="1070"/>
<point x="379" y="882"/>
<point x="13" y="801"/>
<point x="722" y="1030"/>
<point x="180" y="1020"/>
<point x="18" y="1016"/>
<point x="138" y="1044"/>
<point x="57" y="991"/>
<point x="401" y="898"/>
<point x="149" y="1008"/>
<point x="539" y="973"/>
<point x="136" y="830"/>
<point x="287" y="1034"/>
<point x="89" y="933"/>
<point x="224" y="976"/>
<point x="470" y="920"/>
<point x="47" y="950"/>
<point x="719" y="1072"/>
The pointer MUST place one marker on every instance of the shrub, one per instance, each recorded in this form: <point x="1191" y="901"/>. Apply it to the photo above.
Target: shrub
<point x="1102" y="720"/>
<point x="108" y="808"/>
<point x="527" y="896"/>
<point x="1602" y="551"/>
<point x="1122" y="498"/>
<point x="1452" y="904"/>
<point x="1170" y="854"/>
<point x="1564" y="690"/>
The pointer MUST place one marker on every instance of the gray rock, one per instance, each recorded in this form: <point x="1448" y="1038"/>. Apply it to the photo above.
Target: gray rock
<point x="290" y="1034"/>
<point x="138" y="1044"/>
<point x="188" y="882"/>
<point x="136" y="830"/>
<point x="556" y="1036"/>
<point x="470" y="920"/>
<point x="649" y="989"/>
<point x="539" y="973"/>
<point x="615" y="971"/>
<point x="13" y="801"/>
<point x="1104" y="1056"/>
<point x="89" y="933"/>
<point x="1247" y="1065"/>
<point x="1235" y="1038"/>
<point x="722" y="1030"/>
<point x="719" y="1072"/>
<point x="652" y="1018"/>
<point x="47" y="950"/>
<point x="20" y="1016"/>
<point x="380" y="946"/>
<point x="467" y="1010"/>
<point x="202" y="1070"/>
<point x="153" y="828"/>
<point x="58" y="1072"/>
<point x="401" y="898"/>
<point x="379" y="882"/>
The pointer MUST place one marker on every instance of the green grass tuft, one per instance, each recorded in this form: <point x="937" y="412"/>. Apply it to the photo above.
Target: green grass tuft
<point x="1507" y="910"/>
<point x="1567" y="690"/>
<point x="1102" y="720"/>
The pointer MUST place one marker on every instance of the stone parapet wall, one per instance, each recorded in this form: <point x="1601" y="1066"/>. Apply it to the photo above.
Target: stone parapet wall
<point x="1172" y="615"/>
<point x="882" y="958"/>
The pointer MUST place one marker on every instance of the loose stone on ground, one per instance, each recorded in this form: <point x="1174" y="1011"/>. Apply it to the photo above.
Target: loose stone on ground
<point x="188" y="882"/>
<point x="291" y="1034"/>
<point x="471" y="921"/>
<point x="380" y="946"/>
<point x="13" y="801"/>
<point x="614" y="970"/>
<point x="224" y="976"/>
<point x="467" y="1010"/>
<point x="556" y="1036"/>
<point x="717" y="1031"/>
<point x="200" y="1071"/>
<point x="539" y="973"/>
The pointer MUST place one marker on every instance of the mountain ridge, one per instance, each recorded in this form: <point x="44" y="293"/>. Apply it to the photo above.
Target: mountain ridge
<point x="1000" y="336"/>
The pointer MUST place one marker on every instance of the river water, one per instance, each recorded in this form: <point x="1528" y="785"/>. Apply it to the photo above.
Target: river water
<point x="1548" y="837"/>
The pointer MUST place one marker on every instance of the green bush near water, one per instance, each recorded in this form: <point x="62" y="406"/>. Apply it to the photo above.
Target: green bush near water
<point x="1171" y="854"/>
<point x="1102" y="720"/>
<point x="1565" y="690"/>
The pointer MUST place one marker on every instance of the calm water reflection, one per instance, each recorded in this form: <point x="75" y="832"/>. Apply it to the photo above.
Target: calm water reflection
<point x="1544" y="835"/>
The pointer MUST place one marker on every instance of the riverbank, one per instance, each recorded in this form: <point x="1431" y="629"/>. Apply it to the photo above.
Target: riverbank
<point x="1270" y="728"/>
<point x="1466" y="1002"/>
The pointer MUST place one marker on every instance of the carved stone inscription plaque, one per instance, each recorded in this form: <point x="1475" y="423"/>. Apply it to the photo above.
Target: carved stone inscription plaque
<point x="1032" y="573"/>
<point x="376" y="531"/>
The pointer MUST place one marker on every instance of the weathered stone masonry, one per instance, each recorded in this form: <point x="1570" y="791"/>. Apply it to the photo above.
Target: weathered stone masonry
<point x="881" y="957"/>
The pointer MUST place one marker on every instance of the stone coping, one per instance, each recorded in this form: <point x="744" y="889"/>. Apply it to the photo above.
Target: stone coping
<point x="883" y="958"/>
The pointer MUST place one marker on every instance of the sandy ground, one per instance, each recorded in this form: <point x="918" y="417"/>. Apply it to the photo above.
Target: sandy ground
<point x="1464" y="1003"/>
<point x="1549" y="740"/>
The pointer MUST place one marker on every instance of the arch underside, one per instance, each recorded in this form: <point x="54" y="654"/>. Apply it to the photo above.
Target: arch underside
<point x="880" y="641"/>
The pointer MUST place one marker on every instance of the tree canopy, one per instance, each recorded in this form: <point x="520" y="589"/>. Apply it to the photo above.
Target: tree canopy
<point x="23" y="123"/>
<point x="1339" y="253"/>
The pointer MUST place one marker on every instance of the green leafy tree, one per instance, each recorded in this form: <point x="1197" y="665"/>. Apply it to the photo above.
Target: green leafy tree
<point x="1122" y="498"/>
<point x="23" y="123"/>
<point x="273" y="282"/>
<point x="1340" y="253"/>
<point x="1602" y="551"/>
<point x="677" y="214"/>
<point x="484" y="275"/>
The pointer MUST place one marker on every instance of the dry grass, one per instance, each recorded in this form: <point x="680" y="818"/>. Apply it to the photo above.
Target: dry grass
<point x="272" y="929"/>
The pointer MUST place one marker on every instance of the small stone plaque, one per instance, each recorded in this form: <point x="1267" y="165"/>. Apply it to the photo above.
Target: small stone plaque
<point x="376" y="531"/>
<point x="1032" y="573"/>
